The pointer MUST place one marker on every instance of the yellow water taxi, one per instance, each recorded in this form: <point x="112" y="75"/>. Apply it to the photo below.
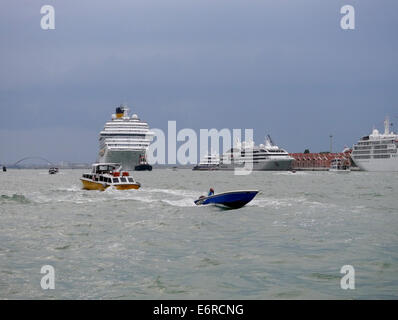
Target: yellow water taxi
<point x="104" y="175"/>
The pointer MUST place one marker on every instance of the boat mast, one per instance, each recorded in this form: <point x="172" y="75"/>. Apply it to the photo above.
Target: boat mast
<point x="387" y="126"/>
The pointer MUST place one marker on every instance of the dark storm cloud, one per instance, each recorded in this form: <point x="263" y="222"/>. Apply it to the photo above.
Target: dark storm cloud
<point x="280" y="67"/>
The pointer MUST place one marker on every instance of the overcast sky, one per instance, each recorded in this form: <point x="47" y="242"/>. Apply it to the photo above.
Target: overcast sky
<point x="280" y="67"/>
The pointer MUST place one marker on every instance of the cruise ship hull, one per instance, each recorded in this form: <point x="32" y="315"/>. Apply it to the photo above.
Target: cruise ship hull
<point x="269" y="165"/>
<point x="128" y="159"/>
<point x="379" y="165"/>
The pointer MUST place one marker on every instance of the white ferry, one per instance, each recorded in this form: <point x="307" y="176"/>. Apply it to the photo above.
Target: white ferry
<point x="377" y="152"/>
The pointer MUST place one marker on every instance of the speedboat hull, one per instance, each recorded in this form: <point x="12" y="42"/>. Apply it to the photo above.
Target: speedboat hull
<point x="231" y="199"/>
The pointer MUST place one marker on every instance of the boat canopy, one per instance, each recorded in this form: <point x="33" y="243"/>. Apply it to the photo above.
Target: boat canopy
<point x="105" y="167"/>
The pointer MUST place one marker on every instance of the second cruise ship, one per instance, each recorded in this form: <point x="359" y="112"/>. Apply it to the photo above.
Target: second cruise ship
<point x="124" y="139"/>
<point x="377" y="151"/>
<point x="263" y="157"/>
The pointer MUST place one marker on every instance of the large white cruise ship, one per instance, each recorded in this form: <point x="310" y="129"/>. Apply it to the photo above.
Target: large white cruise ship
<point x="124" y="140"/>
<point x="263" y="157"/>
<point x="377" y="152"/>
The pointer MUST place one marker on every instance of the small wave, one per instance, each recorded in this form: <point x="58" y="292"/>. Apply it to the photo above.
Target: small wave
<point x="276" y="203"/>
<point x="273" y="203"/>
<point x="137" y="198"/>
<point x="116" y="247"/>
<point x="73" y="188"/>
<point x="186" y="202"/>
<point x="180" y="203"/>
<point x="372" y="194"/>
<point x="67" y="246"/>
<point x="180" y="198"/>
<point x="175" y="192"/>
<point x="324" y="276"/>
<point x="288" y="294"/>
<point x="19" y="198"/>
<point x="74" y="194"/>
<point x="290" y="173"/>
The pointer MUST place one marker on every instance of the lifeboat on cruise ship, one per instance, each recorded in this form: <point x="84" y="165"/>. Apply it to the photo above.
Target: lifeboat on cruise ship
<point x="105" y="175"/>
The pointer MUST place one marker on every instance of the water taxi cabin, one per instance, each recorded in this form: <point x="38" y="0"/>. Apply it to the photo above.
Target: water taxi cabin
<point x="104" y="175"/>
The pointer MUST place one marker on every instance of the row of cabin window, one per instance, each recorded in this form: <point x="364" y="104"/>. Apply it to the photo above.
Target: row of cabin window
<point x="108" y="180"/>
<point x="116" y="180"/>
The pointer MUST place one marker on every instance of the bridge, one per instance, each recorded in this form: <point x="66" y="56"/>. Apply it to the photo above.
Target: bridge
<point x="32" y="158"/>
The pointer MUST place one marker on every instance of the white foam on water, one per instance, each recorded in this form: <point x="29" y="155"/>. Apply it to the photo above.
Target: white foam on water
<point x="277" y="203"/>
<point x="138" y="198"/>
<point x="273" y="203"/>
<point x="73" y="195"/>
<point x="46" y="173"/>
<point x="186" y="202"/>
<point x="116" y="247"/>
<point x="73" y="188"/>
<point x="176" y="192"/>
<point x="289" y="173"/>
<point x="153" y="196"/>
<point x="126" y="195"/>
<point x="179" y="198"/>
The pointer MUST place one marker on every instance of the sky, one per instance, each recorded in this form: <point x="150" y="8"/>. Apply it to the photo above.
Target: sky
<point x="280" y="67"/>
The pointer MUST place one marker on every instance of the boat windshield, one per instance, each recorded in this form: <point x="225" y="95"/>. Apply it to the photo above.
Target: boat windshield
<point x="104" y="168"/>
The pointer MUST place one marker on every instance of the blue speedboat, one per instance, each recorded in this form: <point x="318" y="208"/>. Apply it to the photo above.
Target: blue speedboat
<point x="230" y="199"/>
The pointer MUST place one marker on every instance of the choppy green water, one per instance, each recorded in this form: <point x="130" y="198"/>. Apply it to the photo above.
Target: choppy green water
<point x="289" y="243"/>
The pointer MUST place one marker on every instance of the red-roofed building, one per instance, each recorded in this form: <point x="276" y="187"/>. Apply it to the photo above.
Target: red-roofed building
<point x="317" y="161"/>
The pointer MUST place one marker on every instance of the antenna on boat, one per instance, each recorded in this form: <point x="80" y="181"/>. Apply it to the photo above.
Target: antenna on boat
<point x="268" y="138"/>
